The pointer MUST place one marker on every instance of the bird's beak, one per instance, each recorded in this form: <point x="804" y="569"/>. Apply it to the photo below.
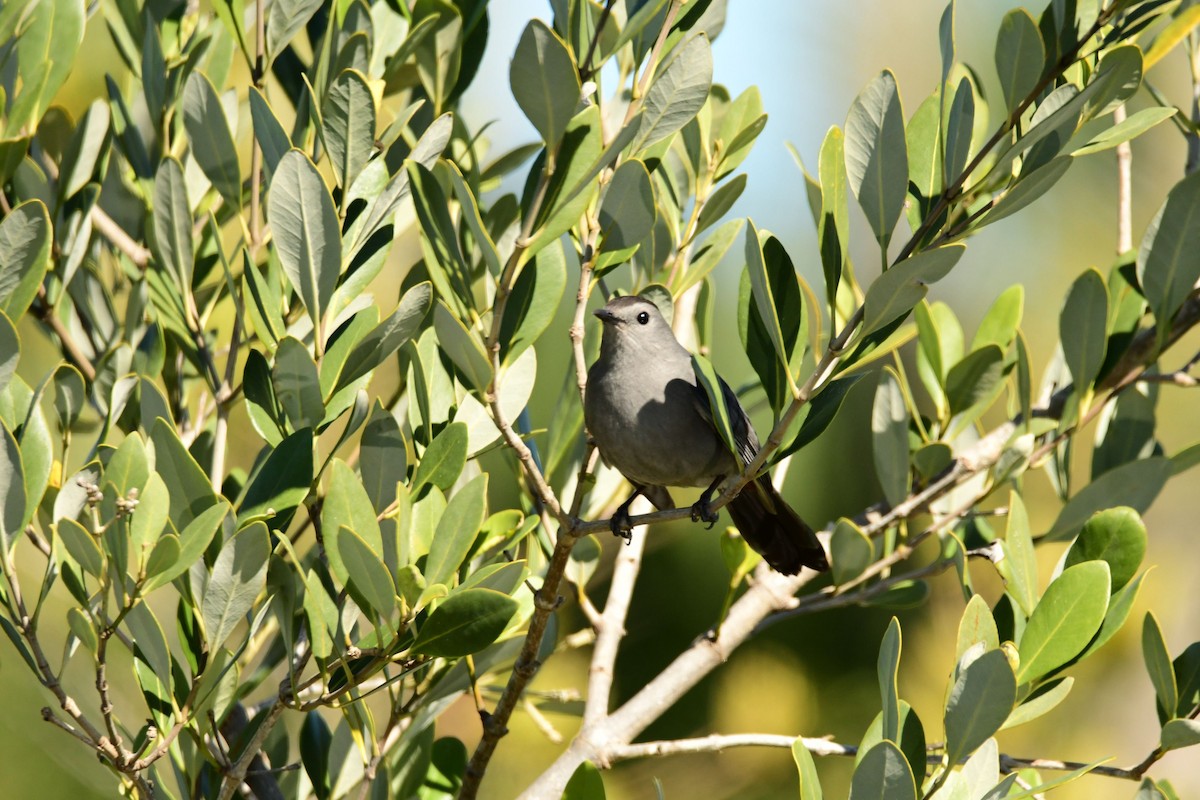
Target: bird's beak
<point x="605" y="316"/>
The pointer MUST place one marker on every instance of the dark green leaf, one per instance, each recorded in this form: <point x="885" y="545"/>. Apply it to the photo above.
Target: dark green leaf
<point x="284" y="20"/>
<point x="1041" y="702"/>
<point x="466" y="622"/>
<point x="81" y="546"/>
<point x="1019" y="567"/>
<point x="883" y="774"/>
<point x="1179" y="733"/>
<point x="315" y="747"/>
<point x="464" y="348"/>
<point x="714" y="389"/>
<point x="378" y="345"/>
<point x="534" y="300"/>
<point x="979" y="703"/>
<point x="1158" y="665"/>
<point x="189" y="487"/>
<point x="348" y="505"/>
<point x="282" y="482"/>
<point x="1167" y="267"/>
<point x="627" y="212"/>
<point x="1082" y="328"/>
<point x="269" y="132"/>
<point x="833" y="227"/>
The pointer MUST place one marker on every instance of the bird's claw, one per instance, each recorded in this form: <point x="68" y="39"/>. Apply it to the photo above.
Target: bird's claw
<point x="621" y="526"/>
<point x="701" y="512"/>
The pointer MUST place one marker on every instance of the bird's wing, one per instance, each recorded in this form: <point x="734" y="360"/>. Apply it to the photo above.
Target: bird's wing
<point x="743" y="430"/>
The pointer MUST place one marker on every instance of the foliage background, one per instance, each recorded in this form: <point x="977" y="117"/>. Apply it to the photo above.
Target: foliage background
<point x="813" y="676"/>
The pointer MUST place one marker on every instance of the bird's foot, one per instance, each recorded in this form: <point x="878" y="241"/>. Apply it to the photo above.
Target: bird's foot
<point x="702" y="512"/>
<point x="621" y="526"/>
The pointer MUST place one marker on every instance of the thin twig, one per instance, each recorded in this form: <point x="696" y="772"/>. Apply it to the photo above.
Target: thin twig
<point x="717" y="743"/>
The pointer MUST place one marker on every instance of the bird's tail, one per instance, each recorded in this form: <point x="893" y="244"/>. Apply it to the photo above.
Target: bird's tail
<point x="773" y="529"/>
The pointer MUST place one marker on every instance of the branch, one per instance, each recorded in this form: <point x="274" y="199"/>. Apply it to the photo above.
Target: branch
<point x="70" y="348"/>
<point x="717" y="743"/>
<point x="611" y="630"/>
<point x="237" y="773"/>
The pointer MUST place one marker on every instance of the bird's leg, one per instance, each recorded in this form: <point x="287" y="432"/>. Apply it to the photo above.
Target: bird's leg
<point x="700" y="509"/>
<point x="620" y="523"/>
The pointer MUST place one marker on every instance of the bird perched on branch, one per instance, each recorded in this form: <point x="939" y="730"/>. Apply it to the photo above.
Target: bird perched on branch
<point x="651" y="420"/>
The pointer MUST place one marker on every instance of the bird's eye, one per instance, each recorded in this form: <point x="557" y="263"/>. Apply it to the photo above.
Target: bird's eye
<point x="643" y="318"/>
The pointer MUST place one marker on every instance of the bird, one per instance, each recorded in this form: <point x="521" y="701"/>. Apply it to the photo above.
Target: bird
<point x="650" y="418"/>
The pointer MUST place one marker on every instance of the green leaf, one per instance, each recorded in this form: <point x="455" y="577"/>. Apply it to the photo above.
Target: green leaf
<point x="10" y="350"/>
<point x="1020" y="57"/>
<point x="889" y="438"/>
<point x="348" y="125"/>
<point x="306" y="231"/>
<point x="1116" y="536"/>
<point x="25" y="236"/>
<point x="368" y="578"/>
<point x="761" y="282"/>
<point x="677" y="93"/>
<point x="1065" y="619"/>
<point x="715" y="390"/>
<point x="585" y="784"/>
<point x="1099" y="135"/>
<point x="163" y="557"/>
<point x="149" y="518"/>
<point x="1019" y="567"/>
<point x="833" y="228"/>
<point x="999" y="324"/>
<point x="810" y="782"/>
<point x="1167" y="268"/>
<point x="894" y="293"/>
<point x="1135" y="484"/>
<point x="348" y="505"/>
<point x="47" y="44"/>
<point x="284" y="20"/>
<point x="545" y="81"/>
<point x="464" y="348"/>
<point x="187" y="484"/>
<point x="883" y="774"/>
<point x="443" y="460"/>
<point x="269" y="132"/>
<point x="315" y="750"/>
<point x="379" y="345"/>
<point x="1180" y="733"/>
<point x="911" y="739"/>
<point x="210" y="139"/>
<point x="173" y="247"/>
<point x="82" y="627"/>
<point x="887" y="668"/>
<point x="456" y="531"/>
<point x="960" y="124"/>
<point x="851" y="549"/>
<point x="535" y="298"/>
<point x="297" y="384"/>
<point x="979" y="703"/>
<point x="282" y="482"/>
<point x="719" y="202"/>
<point x="466" y="622"/>
<point x="877" y="155"/>
<point x="822" y="410"/>
<point x="627" y="212"/>
<point x="129" y="467"/>
<point x="1082" y="328"/>
<point x="1158" y="665"/>
<point x="238" y="575"/>
<point x="977" y="626"/>
<point x="1041" y="702"/>
<point x="1119" y="606"/>
<point x="81" y="546"/>
<point x="193" y="541"/>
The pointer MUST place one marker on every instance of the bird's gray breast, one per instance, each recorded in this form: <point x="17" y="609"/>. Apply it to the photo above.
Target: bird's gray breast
<point x="649" y="428"/>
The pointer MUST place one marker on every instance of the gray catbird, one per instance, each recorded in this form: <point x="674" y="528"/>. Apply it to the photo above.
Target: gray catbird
<point x="651" y="421"/>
